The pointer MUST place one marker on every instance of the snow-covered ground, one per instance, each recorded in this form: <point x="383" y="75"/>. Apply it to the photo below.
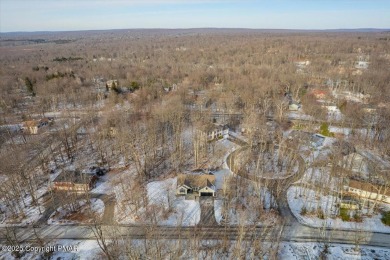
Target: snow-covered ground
<point x="31" y="213"/>
<point x="252" y="206"/>
<point x="220" y="177"/>
<point x="299" y="197"/>
<point x="318" y="176"/>
<point x="183" y="212"/>
<point x="334" y="113"/>
<point x="162" y="206"/>
<point x="335" y="251"/>
<point x="350" y="96"/>
<point x="244" y="215"/>
<point x="299" y="115"/>
<point x="85" y="212"/>
<point x="341" y="130"/>
<point x="64" y="249"/>
<point x="89" y="250"/>
<point x="103" y="185"/>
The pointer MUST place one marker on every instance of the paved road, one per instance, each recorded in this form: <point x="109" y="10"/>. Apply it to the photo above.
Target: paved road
<point x="291" y="233"/>
<point x="297" y="232"/>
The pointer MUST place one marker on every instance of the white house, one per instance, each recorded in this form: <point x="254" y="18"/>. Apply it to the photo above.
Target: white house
<point x="294" y="107"/>
<point x="365" y="190"/>
<point x="361" y="65"/>
<point x="216" y="133"/>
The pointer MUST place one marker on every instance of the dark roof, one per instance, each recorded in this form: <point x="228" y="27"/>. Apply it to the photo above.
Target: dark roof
<point x="74" y="177"/>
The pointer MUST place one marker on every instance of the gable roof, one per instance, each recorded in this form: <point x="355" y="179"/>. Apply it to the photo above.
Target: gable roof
<point x="30" y="123"/>
<point x="192" y="180"/>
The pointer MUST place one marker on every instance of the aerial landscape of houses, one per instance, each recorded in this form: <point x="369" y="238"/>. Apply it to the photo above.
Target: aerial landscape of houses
<point x="194" y="129"/>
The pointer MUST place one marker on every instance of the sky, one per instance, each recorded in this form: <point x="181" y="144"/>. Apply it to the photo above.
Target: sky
<point x="71" y="15"/>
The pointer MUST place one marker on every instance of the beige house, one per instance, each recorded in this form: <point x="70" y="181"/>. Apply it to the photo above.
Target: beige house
<point x="198" y="185"/>
<point x="111" y="84"/>
<point x="30" y="127"/>
<point x="365" y="190"/>
<point x="74" y="181"/>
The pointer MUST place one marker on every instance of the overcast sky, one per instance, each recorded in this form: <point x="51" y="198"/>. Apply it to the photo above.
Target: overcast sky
<point x="60" y="15"/>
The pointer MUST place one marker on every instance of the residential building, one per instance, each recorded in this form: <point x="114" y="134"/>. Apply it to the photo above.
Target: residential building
<point x="112" y="84"/>
<point x="368" y="191"/>
<point x="215" y="132"/>
<point x="30" y="127"/>
<point x="319" y="93"/>
<point x="294" y="106"/>
<point x="74" y="181"/>
<point x="196" y="184"/>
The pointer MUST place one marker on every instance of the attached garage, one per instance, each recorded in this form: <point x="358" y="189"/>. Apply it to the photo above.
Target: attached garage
<point x="207" y="191"/>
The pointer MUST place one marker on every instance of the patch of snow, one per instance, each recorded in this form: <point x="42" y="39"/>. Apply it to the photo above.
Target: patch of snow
<point x="313" y="250"/>
<point x="162" y="206"/>
<point x="299" y="197"/>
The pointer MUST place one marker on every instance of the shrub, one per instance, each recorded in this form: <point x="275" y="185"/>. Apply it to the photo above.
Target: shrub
<point x="324" y="130"/>
<point x="320" y="213"/>
<point x="386" y="218"/>
<point x="344" y="214"/>
<point x="357" y="217"/>
<point x="134" y="85"/>
<point x="303" y="211"/>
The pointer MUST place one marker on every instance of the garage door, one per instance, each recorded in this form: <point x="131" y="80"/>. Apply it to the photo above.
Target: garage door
<point x="206" y="194"/>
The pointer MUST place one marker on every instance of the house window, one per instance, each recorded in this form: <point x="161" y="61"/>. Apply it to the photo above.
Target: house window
<point x="182" y="190"/>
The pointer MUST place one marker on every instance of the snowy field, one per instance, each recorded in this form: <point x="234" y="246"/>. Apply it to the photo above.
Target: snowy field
<point x="182" y="212"/>
<point x="240" y="210"/>
<point x="299" y="197"/>
<point x="81" y="249"/>
<point x="208" y="249"/>
<point x="243" y="215"/>
<point x="335" y="251"/>
<point x="318" y="176"/>
<point x="29" y="213"/>
<point x="162" y="206"/>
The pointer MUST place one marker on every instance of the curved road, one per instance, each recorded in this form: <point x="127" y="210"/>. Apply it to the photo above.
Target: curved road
<point x="295" y="231"/>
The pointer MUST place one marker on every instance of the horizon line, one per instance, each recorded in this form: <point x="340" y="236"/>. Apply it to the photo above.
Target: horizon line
<point x="204" y="28"/>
